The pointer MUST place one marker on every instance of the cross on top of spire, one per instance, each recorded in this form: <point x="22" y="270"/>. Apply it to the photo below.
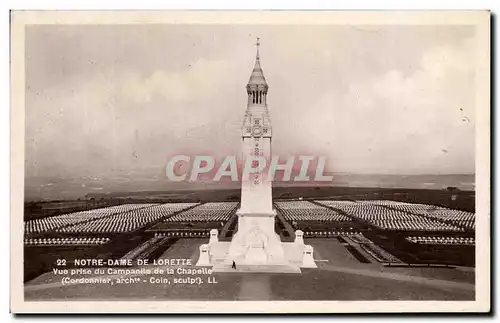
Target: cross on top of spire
<point x="257" y="44"/>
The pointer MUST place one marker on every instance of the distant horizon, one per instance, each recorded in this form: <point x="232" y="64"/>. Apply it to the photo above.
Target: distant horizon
<point x="326" y="173"/>
<point x="71" y="188"/>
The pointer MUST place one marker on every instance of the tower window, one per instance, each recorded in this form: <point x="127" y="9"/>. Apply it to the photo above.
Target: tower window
<point x="257" y="121"/>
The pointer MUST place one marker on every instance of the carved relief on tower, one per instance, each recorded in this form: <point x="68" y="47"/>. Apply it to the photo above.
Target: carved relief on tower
<point x="256" y="238"/>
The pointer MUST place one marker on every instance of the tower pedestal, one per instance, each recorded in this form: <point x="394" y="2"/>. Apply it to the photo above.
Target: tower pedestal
<point x="256" y="242"/>
<point x="257" y="248"/>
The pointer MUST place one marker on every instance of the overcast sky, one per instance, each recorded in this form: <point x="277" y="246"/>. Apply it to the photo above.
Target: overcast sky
<point x="106" y="99"/>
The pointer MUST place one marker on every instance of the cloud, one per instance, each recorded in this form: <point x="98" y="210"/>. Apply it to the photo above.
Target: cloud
<point x="178" y="87"/>
<point x="416" y="123"/>
<point x="118" y="115"/>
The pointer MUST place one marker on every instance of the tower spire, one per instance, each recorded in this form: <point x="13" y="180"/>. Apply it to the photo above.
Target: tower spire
<point x="257" y="76"/>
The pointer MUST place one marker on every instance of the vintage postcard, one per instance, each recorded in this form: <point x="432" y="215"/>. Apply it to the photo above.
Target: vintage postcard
<point x="250" y="162"/>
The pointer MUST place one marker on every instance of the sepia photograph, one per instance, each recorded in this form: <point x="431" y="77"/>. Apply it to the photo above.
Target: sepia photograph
<point x="238" y="162"/>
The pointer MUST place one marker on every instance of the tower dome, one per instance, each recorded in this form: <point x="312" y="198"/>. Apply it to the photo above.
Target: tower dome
<point x="257" y="86"/>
